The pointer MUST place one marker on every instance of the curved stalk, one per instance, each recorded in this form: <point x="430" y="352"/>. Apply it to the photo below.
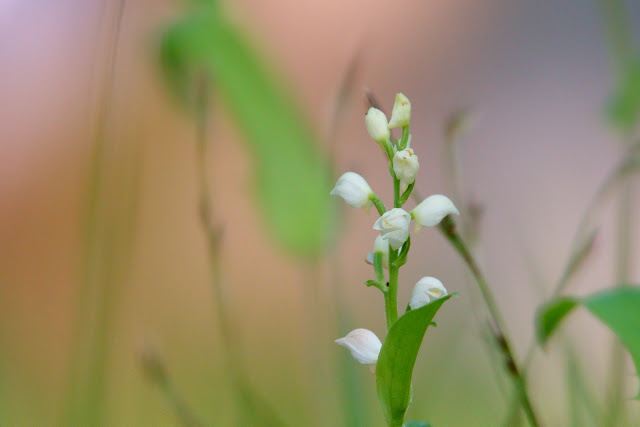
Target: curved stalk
<point x="447" y="227"/>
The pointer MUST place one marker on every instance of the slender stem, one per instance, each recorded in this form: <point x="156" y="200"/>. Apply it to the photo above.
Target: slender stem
<point x="391" y="296"/>
<point x="614" y="415"/>
<point x="584" y="237"/>
<point x="84" y="401"/>
<point x="245" y="394"/>
<point x="380" y="207"/>
<point x="617" y="28"/>
<point x="447" y="227"/>
<point x="155" y="371"/>
<point x="212" y="231"/>
<point x="396" y="188"/>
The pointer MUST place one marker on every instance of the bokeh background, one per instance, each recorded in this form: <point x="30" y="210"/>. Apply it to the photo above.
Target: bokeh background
<point x="535" y="76"/>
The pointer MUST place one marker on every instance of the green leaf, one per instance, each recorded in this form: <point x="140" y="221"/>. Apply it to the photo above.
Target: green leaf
<point x="291" y="179"/>
<point x="624" y="104"/>
<point x="397" y="358"/>
<point x="417" y="424"/>
<point x="618" y="308"/>
<point x="552" y="315"/>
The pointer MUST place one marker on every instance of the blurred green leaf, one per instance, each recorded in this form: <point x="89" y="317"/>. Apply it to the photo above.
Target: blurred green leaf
<point x="624" y="104"/>
<point x="552" y="314"/>
<point x="618" y="308"/>
<point x="292" y="180"/>
<point x="417" y="424"/>
<point x="397" y="358"/>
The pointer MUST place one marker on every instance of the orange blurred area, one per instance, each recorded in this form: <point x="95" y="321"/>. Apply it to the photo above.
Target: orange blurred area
<point x="536" y="77"/>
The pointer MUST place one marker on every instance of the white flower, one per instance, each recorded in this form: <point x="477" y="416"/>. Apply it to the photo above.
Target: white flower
<point x="380" y="245"/>
<point x="377" y="125"/>
<point x="401" y="113"/>
<point x="426" y="290"/>
<point x="354" y="190"/>
<point x="394" y="227"/>
<point x="432" y="210"/>
<point x="405" y="166"/>
<point x="363" y="344"/>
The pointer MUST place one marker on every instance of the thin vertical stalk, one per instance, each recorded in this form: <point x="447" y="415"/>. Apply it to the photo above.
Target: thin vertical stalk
<point x="621" y="46"/>
<point x="391" y="296"/>
<point x="250" y="400"/>
<point x="447" y="227"/>
<point x="85" y="394"/>
<point x="614" y="414"/>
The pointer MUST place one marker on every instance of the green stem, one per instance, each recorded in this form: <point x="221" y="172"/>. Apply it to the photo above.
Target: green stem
<point x="447" y="227"/>
<point x="405" y="138"/>
<point x="378" y="204"/>
<point x="253" y="405"/>
<point x="84" y="402"/>
<point x="396" y="191"/>
<point x="614" y="415"/>
<point x="391" y="296"/>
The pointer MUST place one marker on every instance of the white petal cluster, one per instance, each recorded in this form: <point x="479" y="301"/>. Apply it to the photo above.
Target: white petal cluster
<point x="432" y="210"/>
<point x="363" y="344"/>
<point x="394" y="227"/>
<point x="405" y="166"/>
<point x="426" y="290"/>
<point x="382" y="246"/>
<point x="354" y="190"/>
<point x="377" y="125"/>
<point x="401" y="114"/>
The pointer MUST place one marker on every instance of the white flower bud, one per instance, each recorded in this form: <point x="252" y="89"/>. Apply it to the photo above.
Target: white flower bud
<point x="363" y="344"/>
<point x="394" y="227"/>
<point x="405" y="166"/>
<point x="426" y="290"/>
<point x="401" y="113"/>
<point x="382" y="246"/>
<point x="432" y="210"/>
<point x="354" y="190"/>
<point x="377" y="125"/>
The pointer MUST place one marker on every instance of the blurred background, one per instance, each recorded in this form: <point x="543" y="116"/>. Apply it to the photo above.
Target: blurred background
<point x="108" y="310"/>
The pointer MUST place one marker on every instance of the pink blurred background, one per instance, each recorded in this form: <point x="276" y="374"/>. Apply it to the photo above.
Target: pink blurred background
<point x="535" y="74"/>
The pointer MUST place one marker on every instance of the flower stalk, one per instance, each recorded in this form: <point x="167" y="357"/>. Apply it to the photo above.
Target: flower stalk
<point x="448" y="229"/>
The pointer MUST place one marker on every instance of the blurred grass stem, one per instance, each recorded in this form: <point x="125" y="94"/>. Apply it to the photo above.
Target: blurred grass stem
<point x="621" y="46"/>
<point x="254" y="406"/>
<point x="447" y="227"/>
<point x="85" y="396"/>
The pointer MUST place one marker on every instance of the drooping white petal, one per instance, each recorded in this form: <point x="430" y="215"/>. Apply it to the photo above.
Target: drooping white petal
<point x="426" y="290"/>
<point x="377" y="125"/>
<point x="432" y="210"/>
<point x="401" y="114"/>
<point x="354" y="190"/>
<point x="394" y="227"/>
<point x="363" y="344"/>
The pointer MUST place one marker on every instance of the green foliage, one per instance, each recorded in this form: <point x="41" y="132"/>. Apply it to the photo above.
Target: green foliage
<point x="292" y="181"/>
<point x="618" y="308"/>
<point x="624" y="105"/>
<point x="417" y="424"/>
<point x="552" y="314"/>
<point x="397" y="358"/>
